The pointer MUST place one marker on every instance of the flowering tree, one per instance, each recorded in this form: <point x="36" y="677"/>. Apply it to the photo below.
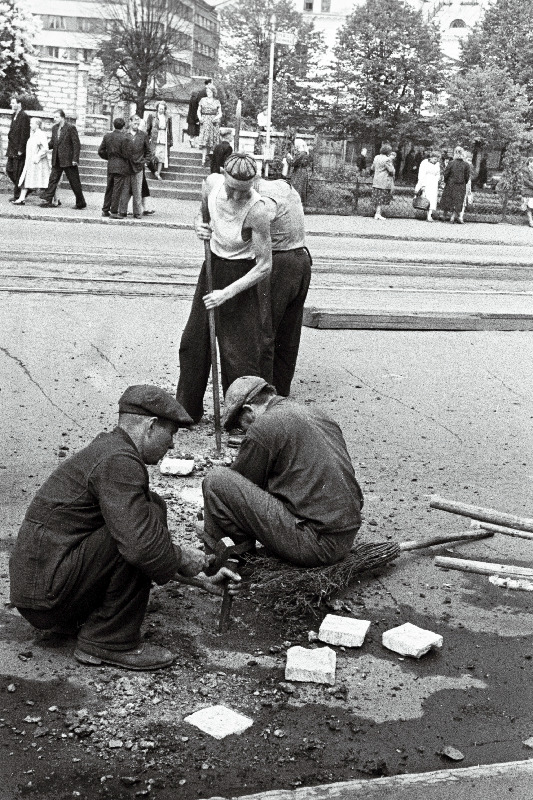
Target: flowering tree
<point x="18" y="55"/>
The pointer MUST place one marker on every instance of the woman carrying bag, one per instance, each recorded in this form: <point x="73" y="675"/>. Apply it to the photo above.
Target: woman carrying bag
<point x="427" y="188"/>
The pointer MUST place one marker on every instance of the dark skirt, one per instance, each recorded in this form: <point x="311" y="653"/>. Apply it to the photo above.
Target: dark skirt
<point x="453" y="198"/>
<point x="193" y="129"/>
<point x="381" y="197"/>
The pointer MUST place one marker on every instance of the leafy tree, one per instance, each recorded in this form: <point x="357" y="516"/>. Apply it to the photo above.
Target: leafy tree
<point x="18" y="55"/>
<point x="504" y="39"/>
<point x="139" y="45"/>
<point x="388" y="64"/>
<point x="484" y="107"/>
<point x="245" y="57"/>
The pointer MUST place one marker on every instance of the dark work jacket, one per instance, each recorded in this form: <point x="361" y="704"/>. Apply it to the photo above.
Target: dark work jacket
<point x="300" y="457"/>
<point x="114" y="150"/>
<point x="106" y="483"/>
<point x="138" y="148"/>
<point x="19" y="133"/>
<point x="65" y="145"/>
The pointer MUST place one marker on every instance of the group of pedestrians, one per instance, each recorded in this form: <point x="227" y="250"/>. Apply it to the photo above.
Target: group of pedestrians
<point x="126" y="153"/>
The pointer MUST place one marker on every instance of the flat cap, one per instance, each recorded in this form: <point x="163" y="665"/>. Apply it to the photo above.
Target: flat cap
<point x="151" y="401"/>
<point x="242" y="391"/>
<point x="241" y="167"/>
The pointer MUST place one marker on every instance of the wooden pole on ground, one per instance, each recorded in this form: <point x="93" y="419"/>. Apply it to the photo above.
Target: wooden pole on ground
<point x="487" y="526"/>
<point x="483" y="567"/>
<point x="212" y="336"/>
<point x="483" y="514"/>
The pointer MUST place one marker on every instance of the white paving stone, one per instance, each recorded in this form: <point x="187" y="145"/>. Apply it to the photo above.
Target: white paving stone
<point x="219" y="721"/>
<point x="410" y="640"/>
<point x="311" y="665"/>
<point x="176" y="466"/>
<point x="192" y="495"/>
<point x="343" y="631"/>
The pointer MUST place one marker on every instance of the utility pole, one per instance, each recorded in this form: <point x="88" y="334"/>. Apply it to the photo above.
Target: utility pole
<point x="270" y="89"/>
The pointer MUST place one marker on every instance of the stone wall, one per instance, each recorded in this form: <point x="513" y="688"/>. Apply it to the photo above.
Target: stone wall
<point x="63" y="84"/>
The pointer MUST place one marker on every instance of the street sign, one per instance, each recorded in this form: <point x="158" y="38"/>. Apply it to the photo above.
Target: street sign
<point x="284" y="37"/>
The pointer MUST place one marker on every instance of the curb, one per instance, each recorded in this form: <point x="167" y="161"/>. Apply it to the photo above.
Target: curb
<point x="354" y="319"/>
<point x="484" y="782"/>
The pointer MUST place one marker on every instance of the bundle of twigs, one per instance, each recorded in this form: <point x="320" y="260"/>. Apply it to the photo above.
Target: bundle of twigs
<point x="296" y="590"/>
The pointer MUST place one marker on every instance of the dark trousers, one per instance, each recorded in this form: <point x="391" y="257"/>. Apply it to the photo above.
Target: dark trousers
<point x="109" y="598"/>
<point x="243" y="327"/>
<point x="236" y="507"/>
<point x="289" y="284"/>
<point x="14" y="167"/>
<point x="113" y="192"/>
<point x="73" y="177"/>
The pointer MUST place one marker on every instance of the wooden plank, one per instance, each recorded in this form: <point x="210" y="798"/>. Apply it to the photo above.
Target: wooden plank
<point x="482" y="514"/>
<point x="485" y="782"/>
<point x="482" y="567"/>
<point x="487" y="526"/>
<point x="352" y="319"/>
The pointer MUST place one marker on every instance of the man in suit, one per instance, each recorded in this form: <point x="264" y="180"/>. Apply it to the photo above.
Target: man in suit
<point x="115" y="150"/>
<point x="138" y="149"/>
<point x="65" y="147"/>
<point x="17" y="139"/>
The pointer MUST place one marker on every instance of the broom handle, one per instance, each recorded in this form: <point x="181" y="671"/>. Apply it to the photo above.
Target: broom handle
<point x="469" y="537"/>
<point x="212" y="335"/>
<point x="483" y="514"/>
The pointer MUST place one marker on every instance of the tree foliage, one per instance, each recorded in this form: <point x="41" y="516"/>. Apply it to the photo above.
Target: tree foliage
<point x="18" y="55"/>
<point x="245" y="57"/>
<point x="483" y="106"/>
<point x="504" y="39"/>
<point x="388" y="63"/>
<point x="139" y="45"/>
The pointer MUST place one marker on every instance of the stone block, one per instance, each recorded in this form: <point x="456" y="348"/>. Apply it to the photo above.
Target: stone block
<point x="176" y="466"/>
<point x="343" y="631"/>
<point x="193" y="495"/>
<point x="219" y="721"/>
<point x="410" y="640"/>
<point x="310" y="665"/>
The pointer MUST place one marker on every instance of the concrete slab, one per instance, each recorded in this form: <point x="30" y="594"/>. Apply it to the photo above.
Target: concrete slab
<point x="219" y="721"/>
<point x="343" y="631"/>
<point x="410" y="640"/>
<point x="311" y="665"/>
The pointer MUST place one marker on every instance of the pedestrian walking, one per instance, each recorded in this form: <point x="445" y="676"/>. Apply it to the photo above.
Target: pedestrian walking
<point x="383" y="180"/>
<point x="428" y="181"/>
<point x="36" y="172"/>
<point x="138" y="149"/>
<point x="299" y="169"/>
<point x="65" y="147"/>
<point x="222" y="150"/>
<point x="241" y="253"/>
<point x="17" y="139"/>
<point x="159" y="130"/>
<point x="209" y="114"/>
<point x="456" y="178"/>
<point x="114" y="149"/>
<point x="527" y="190"/>
<point x="361" y="162"/>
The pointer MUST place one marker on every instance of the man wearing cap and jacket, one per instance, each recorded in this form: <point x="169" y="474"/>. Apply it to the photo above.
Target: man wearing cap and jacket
<point x="241" y="257"/>
<point x="95" y="537"/>
<point x="292" y="485"/>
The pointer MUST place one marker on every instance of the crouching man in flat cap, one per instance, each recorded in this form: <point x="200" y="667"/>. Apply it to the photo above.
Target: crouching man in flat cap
<point x="95" y="537"/>
<point x="292" y="485"/>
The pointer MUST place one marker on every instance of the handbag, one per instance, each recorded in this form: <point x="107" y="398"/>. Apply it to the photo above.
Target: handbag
<point x="420" y="202"/>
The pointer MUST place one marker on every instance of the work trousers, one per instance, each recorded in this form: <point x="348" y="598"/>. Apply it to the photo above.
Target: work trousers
<point x="243" y="327"/>
<point x="132" y="188"/>
<point x="113" y="192"/>
<point x="236" y="507"/>
<point x="289" y="284"/>
<point x="14" y="168"/>
<point x="109" y="597"/>
<point x="73" y="177"/>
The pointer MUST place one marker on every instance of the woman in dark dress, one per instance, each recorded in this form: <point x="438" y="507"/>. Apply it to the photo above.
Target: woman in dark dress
<point x="456" y="176"/>
<point x="300" y="166"/>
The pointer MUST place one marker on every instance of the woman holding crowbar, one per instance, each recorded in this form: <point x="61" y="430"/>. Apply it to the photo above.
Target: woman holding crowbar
<point x="238" y="235"/>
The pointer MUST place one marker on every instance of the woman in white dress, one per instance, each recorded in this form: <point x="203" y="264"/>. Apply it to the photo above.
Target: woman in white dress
<point x="428" y="181"/>
<point x="36" y="168"/>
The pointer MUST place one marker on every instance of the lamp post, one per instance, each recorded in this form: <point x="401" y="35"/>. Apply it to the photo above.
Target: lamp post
<point x="270" y="89"/>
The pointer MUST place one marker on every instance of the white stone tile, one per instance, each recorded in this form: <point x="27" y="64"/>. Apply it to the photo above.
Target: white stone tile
<point x="311" y="665"/>
<point x="343" y="631"/>
<point x="219" y="721"/>
<point x="410" y="640"/>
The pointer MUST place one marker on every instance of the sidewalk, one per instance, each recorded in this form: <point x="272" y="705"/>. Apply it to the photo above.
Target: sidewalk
<point x="179" y="214"/>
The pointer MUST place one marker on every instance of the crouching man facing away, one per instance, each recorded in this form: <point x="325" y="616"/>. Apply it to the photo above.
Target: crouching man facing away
<point x="292" y="486"/>
<point x="95" y="537"/>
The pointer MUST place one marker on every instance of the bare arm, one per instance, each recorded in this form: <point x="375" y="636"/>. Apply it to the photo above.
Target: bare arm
<point x="258" y="222"/>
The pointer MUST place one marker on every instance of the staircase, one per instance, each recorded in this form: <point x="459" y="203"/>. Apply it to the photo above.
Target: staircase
<point x="181" y="181"/>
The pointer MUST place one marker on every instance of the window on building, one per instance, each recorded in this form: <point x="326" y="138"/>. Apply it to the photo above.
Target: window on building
<point x="183" y="41"/>
<point x="86" y="24"/>
<point x="181" y="68"/>
<point x="57" y="23"/>
<point x="308" y="5"/>
<point x="204" y="49"/>
<point x="183" y="11"/>
<point x="206" y="23"/>
<point x="325" y="6"/>
<point x="86" y="55"/>
<point x="51" y="52"/>
<point x="458" y="23"/>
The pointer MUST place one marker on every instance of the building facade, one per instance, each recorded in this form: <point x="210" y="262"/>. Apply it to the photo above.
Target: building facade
<point x="70" y="72"/>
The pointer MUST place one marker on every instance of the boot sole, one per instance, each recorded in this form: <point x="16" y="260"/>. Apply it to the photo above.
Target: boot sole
<point x="96" y="661"/>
